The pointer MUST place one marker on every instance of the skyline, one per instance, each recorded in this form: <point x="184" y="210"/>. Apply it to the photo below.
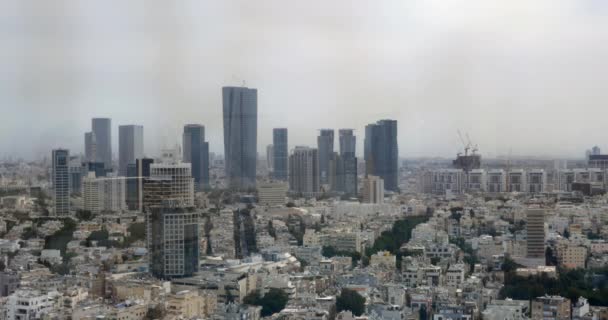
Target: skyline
<point x="496" y="70"/>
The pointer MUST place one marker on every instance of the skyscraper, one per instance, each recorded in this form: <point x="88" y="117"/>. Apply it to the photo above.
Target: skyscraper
<point x="130" y="146"/>
<point x="348" y="143"/>
<point x="90" y="147"/>
<point x="173" y="240"/>
<point x="304" y="171"/>
<point x="325" y="143"/>
<point x="196" y="152"/>
<point x="281" y="156"/>
<point x="535" y="227"/>
<point x="240" y="109"/>
<point x="102" y="129"/>
<point x="382" y="152"/>
<point x="61" y="181"/>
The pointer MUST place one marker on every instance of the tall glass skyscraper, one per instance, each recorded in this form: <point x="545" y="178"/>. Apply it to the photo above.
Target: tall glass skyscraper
<point x="325" y="144"/>
<point x="281" y="156"/>
<point x="130" y="146"/>
<point x="348" y="143"/>
<point x="90" y="147"/>
<point x="61" y="181"/>
<point x="196" y="152"/>
<point x="240" y="109"/>
<point x="102" y="129"/>
<point x="382" y="152"/>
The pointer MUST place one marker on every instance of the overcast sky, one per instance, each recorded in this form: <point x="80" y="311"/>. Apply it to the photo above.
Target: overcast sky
<point x="520" y="75"/>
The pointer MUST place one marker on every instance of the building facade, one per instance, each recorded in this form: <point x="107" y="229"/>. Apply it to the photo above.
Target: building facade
<point x="102" y="129"/>
<point x="196" y="152"/>
<point x="325" y="147"/>
<point x="304" y="172"/>
<point x="61" y="181"/>
<point x="130" y="146"/>
<point x="173" y="240"/>
<point x="382" y="152"/>
<point x="240" y="110"/>
<point x="373" y="190"/>
<point x="280" y="154"/>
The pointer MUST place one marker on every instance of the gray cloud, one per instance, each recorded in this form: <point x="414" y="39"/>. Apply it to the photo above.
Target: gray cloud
<point x="520" y="75"/>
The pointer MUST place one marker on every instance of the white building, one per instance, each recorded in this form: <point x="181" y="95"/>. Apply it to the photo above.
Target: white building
<point x="272" y="194"/>
<point x="104" y="194"/>
<point x="30" y="304"/>
<point x="178" y="178"/>
<point x="373" y="190"/>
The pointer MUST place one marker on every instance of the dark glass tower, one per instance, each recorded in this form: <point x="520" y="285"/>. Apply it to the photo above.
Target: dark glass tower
<point x="173" y="240"/>
<point x="240" y="110"/>
<point x="61" y="181"/>
<point x="348" y="143"/>
<point x="325" y="144"/>
<point x="130" y="146"/>
<point x="196" y="152"/>
<point x="382" y="152"/>
<point x="102" y="129"/>
<point x="280" y="153"/>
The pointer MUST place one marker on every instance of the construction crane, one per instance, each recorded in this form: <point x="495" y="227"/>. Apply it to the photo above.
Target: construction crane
<point x="465" y="145"/>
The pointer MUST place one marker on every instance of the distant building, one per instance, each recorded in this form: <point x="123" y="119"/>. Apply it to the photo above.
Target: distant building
<point x="169" y="181"/>
<point x="599" y="161"/>
<point x="304" y="172"/>
<point x="272" y="194"/>
<point x="373" y="190"/>
<point x="343" y="166"/>
<point x="550" y="308"/>
<point x="270" y="157"/>
<point x="130" y="146"/>
<point x="240" y="110"/>
<point x="179" y="256"/>
<point x="90" y="147"/>
<point x="196" y="152"/>
<point x="30" y="304"/>
<point x="382" y="152"/>
<point x="105" y="194"/>
<point x="102" y="129"/>
<point x="142" y="173"/>
<point x="516" y="180"/>
<point x="496" y="181"/>
<point x="535" y="227"/>
<point x="61" y="181"/>
<point x="280" y="154"/>
<point x="325" y="145"/>
<point x="536" y="181"/>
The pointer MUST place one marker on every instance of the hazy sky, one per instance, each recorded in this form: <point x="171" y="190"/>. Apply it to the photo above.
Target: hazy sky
<point x="520" y="75"/>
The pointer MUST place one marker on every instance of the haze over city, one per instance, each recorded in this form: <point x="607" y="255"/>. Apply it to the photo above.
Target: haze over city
<point x="525" y="76"/>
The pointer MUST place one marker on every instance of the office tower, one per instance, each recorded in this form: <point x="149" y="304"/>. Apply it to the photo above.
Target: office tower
<point x="325" y="144"/>
<point x="105" y="194"/>
<point x="130" y="146"/>
<point x="348" y="142"/>
<point x="142" y="173"/>
<point x="90" y="147"/>
<point x="102" y="129"/>
<point x="272" y="193"/>
<point x="349" y="174"/>
<point x="169" y="180"/>
<point x="173" y="240"/>
<point x="132" y="183"/>
<point x="304" y="171"/>
<point x="270" y="157"/>
<point x="281" y="155"/>
<point x="382" y="152"/>
<point x="240" y="109"/>
<point x="61" y="181"/>
<point x="76" y="173"/>
<point x="196" y="152"/>
<point x="373" y="190"/>
<point x="535" y="221"/>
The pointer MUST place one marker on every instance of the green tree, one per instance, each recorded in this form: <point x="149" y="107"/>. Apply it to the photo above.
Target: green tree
<point x="350" y="300"/>
<point x="273" y="301"/>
